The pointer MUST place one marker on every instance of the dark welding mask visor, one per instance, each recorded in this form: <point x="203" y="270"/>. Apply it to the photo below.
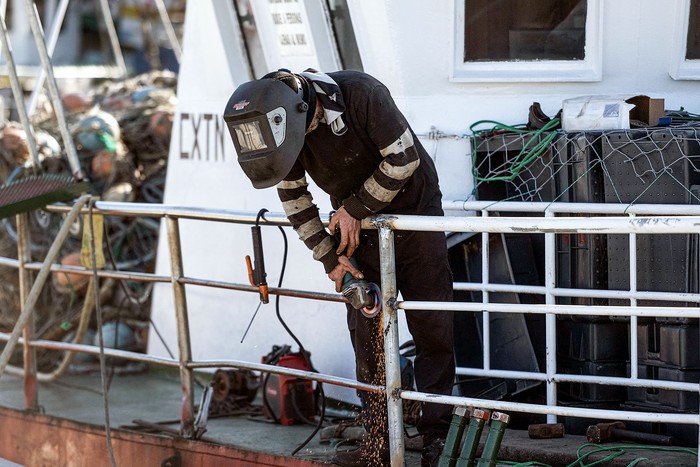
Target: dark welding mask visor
<point x="267" y="122"/>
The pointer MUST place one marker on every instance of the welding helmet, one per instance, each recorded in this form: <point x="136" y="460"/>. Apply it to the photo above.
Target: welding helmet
<point x="267" y="122"/>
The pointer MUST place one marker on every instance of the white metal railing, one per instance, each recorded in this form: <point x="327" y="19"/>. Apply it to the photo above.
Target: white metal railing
<point x="629" y="220"/>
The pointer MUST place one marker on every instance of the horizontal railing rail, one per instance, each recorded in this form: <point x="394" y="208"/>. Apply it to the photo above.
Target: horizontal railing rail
<point x="555" y="219"/>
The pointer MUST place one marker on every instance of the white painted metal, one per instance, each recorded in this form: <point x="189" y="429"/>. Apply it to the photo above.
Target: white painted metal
<point x="485" y="279"/>
<point x="597" y="225"/>
<point x="392" y="360"/>
<point x="563" y="411"/>
<point x="576" y="310"/>
<point x="584" y="293"/>
<point x="550" y="282"/>
<point x="466" y="206"/>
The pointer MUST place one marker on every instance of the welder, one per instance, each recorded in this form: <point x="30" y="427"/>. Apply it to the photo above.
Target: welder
<point x="344" y="130"/>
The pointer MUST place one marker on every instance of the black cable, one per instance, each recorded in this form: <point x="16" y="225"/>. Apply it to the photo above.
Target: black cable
<point x="98" y="310"/>
<point x="302" y="350"/>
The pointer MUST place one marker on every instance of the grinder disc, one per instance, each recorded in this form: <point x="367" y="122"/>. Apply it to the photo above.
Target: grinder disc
<point x="371" y="312"/>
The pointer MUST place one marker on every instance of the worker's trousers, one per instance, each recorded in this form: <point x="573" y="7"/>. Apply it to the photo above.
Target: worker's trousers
<point x="422" y="273"/>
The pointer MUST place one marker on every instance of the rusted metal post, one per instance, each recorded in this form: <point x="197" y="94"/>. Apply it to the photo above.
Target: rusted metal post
<point x="24" y="255"/>
<point x="391" y="345"/>
<point x="183" y="329"/>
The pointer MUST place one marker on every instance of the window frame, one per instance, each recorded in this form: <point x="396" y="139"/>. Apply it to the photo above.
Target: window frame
<point x="587" y="70"/>
<point x="681" y="68"/>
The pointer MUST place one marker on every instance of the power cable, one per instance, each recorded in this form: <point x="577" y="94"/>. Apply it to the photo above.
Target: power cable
<point x="302" y="350"/>
<point x="98" y="313"/>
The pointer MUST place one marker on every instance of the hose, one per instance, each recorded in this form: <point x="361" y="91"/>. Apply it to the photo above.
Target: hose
<point x="529" y="153"/>
<point x="302" y="350"/>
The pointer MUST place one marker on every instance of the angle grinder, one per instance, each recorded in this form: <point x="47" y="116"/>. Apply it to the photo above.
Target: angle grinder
<point x="362" y="295"/>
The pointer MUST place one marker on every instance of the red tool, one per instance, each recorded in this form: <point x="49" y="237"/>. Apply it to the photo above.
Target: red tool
<point x="257" y="275"/>
<point x="288" y="400"/>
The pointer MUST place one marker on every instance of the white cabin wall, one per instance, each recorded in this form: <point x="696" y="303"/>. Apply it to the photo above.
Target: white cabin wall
<point x="408" y="45"/>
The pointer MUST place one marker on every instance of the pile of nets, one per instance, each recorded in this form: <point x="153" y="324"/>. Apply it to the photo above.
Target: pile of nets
<point x="121" y="131"/>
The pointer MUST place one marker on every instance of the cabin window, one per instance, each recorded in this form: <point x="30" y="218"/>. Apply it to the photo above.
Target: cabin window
<point x="524" y="30"/>
<point x="527" y="40"/>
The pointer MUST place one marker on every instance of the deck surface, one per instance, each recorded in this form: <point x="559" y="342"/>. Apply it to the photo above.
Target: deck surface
<point x="154" y="396"/>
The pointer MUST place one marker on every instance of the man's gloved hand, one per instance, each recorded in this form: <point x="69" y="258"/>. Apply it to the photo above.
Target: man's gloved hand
<point x="349" y="231"/>
<point x="338" y="273"/>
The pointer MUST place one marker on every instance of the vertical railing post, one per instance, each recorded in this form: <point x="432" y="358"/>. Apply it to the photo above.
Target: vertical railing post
<point x="183" y="329"/>
<point x="24" y="255"/>
<point x="550" y="280"/>
<point x="391" y="345"/>
<point x="634" y="342"/>
<point x="485" y="279"/>
<point x="698" y="233"/>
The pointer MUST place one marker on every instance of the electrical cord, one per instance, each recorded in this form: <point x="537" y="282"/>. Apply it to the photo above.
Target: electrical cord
<point x="319" y="386"/>
<point x="98" y="313"/>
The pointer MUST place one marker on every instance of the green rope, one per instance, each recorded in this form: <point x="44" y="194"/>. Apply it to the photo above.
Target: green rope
<point x="620" y="450"/>
<point x="614" y="452"/>
<point x="529" y="153"/>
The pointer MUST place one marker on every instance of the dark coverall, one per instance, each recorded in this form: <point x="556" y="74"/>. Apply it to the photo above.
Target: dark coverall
<point x="341" y="165"/>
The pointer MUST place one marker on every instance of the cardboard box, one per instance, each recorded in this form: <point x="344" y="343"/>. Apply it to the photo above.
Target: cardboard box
<point x="595" y="113"/>
<point x="646" y="109"/>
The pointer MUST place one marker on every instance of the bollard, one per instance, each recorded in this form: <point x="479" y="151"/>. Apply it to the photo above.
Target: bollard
<point x="454" y="437"/>
<point x="471" y="439"/>
<point x="499" y="421"/>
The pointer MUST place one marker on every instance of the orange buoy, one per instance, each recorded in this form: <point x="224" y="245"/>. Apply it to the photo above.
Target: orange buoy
<point x="67" y="281"/>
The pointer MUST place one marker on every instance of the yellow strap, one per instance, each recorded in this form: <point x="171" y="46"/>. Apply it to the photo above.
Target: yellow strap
<point x="86" y="248"/>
